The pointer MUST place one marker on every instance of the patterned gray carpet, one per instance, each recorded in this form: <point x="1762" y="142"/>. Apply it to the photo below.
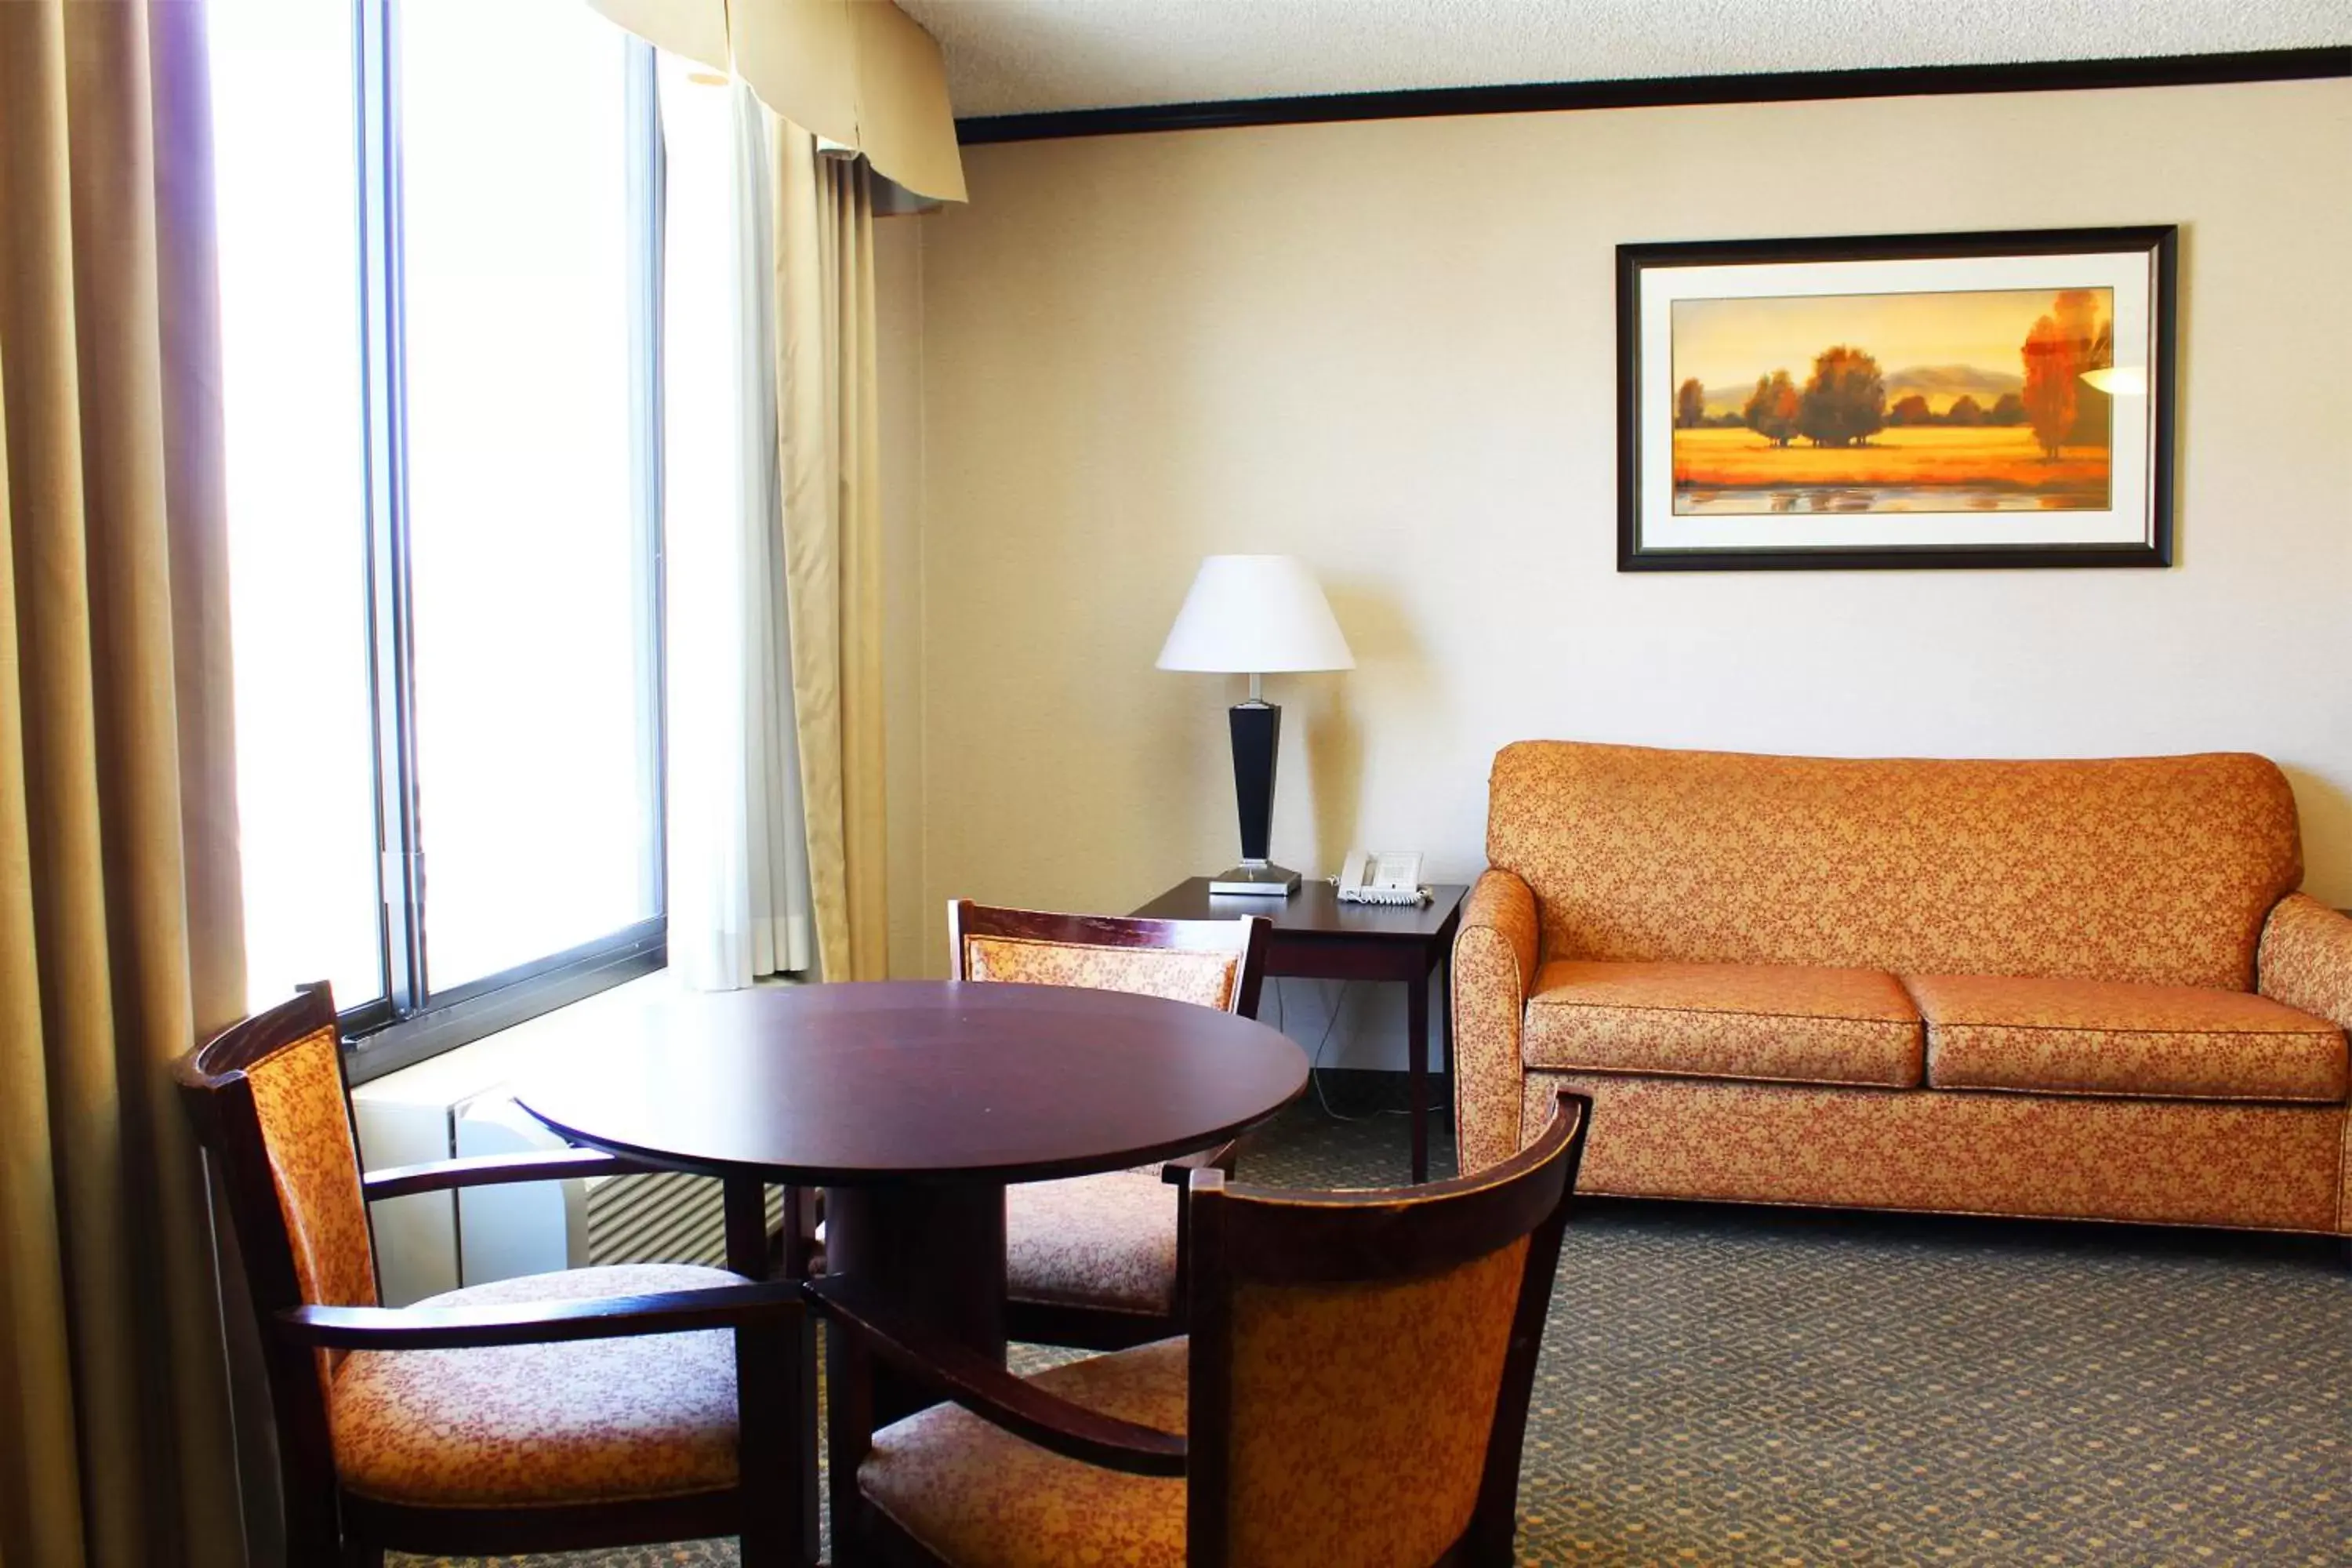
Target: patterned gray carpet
<point x="1726" y="1385"/>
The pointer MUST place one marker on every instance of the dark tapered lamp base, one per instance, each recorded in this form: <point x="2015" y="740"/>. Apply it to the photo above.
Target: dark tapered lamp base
<point x="1257" y="738"/>
<point x="1256" y="878"/>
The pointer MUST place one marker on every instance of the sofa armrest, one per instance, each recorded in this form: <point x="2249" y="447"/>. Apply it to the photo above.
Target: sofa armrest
<point x="2306" y="959"/>
<point x="1494" y="968"/>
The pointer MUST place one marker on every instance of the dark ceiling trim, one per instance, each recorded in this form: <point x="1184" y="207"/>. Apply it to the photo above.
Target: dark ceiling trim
<point x="1659" y="92"/>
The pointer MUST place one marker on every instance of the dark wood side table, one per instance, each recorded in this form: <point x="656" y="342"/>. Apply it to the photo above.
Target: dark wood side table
<point x="1317" y="937"/>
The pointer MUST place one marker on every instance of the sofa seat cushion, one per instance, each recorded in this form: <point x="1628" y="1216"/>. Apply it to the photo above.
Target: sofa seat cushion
<point x="1776" y="1023"/>
<point x="2108" y="1037"/>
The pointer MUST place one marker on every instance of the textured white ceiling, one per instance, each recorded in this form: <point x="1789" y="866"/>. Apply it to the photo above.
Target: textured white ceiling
<point x="1007" y="56"/>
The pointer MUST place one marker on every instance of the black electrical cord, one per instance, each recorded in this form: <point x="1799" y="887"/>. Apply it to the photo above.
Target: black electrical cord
<point x="1315" y="1072"/>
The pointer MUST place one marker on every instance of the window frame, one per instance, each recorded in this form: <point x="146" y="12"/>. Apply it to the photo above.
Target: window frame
<point x="409" y="1021"/>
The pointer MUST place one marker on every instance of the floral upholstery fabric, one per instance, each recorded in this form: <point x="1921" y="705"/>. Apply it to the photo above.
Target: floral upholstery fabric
<point x="533" y="1425"/>
<point x="978" y="1497"/>
<point x="306" y="1126"/>
<point x="1494" y="968"/>
<point x="2093" y="1036"/>
<point x="1177" y="973"/>
<point x="1360" y="1419"/>
<point x="1093" y="1241"/>
<point x="1785" y="1023"/>
<point x="314" y="1163"/>
<point x="2306" y="959"/>
<point x="2158" y="869"/>
<point x="1361" y="1414"/>
<point x="2344" y="1179"/>
<point x="2163" y="1162"/>
<point x="1106" y="1241"/>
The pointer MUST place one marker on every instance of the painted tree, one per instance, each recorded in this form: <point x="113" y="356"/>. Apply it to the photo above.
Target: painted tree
<point x="1690" y="405"/>
<point x="2051" y="374"/>
<point x="1965" y="410"/>
<point x="1844" y="400"/>
<point x="2009" y="409"/>
<point x="1772" y="411"/>
<point x="2083" y="319"/>
<point x="1911" y="410"/>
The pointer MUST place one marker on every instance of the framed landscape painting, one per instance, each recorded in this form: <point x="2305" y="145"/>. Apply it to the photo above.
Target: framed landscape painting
<point x="1947" y="400"/>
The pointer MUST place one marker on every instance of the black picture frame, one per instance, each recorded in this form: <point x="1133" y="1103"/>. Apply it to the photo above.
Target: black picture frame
<point x="2159" y="243"/>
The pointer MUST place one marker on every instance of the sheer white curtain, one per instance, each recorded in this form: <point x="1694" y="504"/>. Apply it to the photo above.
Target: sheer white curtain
<point x="739" y="884"/>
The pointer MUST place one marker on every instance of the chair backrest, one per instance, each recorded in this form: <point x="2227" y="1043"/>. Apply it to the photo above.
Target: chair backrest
<point x="1215" y="963"/>
<point x="1361" y="1362"/>
<point x="271" y="1106"/>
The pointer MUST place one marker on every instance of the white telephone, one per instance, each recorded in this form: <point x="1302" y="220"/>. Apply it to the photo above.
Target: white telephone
<point x="1382" y="877"/>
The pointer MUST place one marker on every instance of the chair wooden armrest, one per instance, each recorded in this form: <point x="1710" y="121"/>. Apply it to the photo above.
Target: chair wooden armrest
<point x="1225" y="1157"/>
<point x="490" y="1170"/>
<point x="986" y="1389"/>
<point x="539" y="1323"/>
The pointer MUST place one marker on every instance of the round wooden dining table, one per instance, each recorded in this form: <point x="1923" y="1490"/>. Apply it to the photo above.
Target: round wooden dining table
<point x="912" y="1103"/>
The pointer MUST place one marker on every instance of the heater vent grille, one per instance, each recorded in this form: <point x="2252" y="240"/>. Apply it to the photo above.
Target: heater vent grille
<point x="669" y="1218"/>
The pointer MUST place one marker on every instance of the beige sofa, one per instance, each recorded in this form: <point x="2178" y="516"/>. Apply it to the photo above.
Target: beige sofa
<point x="2081" y="989"/>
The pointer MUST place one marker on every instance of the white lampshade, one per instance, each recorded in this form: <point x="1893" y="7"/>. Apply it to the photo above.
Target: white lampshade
<point x="1256" y="614"/>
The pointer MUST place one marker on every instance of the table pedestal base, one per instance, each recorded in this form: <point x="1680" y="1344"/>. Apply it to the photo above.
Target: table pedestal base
<point x="936" y="1251"/>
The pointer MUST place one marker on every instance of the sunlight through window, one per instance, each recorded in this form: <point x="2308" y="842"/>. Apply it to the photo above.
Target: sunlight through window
<point x="288" y="189"/>
<point x="534" y="708"/>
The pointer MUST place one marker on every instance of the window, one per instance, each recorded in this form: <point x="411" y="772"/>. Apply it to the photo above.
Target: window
<point x="295" y="407"/>
<point x="534" y="691"/>
<point x="439" y="229"/>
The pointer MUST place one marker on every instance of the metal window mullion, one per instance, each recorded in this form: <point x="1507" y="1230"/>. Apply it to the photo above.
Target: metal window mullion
<point x="647" y="167"/>
<point x="389" y="590"/>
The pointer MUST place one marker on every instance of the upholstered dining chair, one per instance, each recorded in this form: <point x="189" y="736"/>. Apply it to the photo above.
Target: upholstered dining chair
<point x="1099" y="1261"/>
<point x="1354" y="1391"/>
<point x="600" y="1406"/>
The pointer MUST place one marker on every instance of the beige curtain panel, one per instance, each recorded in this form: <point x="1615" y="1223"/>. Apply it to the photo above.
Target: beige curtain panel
<point x="119" y="925"/>
<point x="827" y="434"/>
<point x="858" y="73"/>
<point x="854" y="77"/>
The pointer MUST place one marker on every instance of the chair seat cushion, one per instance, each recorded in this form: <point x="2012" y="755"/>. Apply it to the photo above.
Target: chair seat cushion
<point x="979" y="1498"/>
<point x="1768" y="1022"/>
<point x="1093" y="1241"/>
<point x="590" y="1420"/>
<point x="2109" y="1038"/>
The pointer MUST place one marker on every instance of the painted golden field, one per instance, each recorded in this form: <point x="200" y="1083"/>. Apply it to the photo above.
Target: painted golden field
<point x="1989" y="458"/>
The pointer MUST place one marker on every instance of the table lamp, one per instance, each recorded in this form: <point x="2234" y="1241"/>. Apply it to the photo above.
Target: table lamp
<point x="1255" y="615"/>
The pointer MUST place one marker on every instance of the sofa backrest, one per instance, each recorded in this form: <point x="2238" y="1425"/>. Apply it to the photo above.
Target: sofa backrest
<point x="2158" y="869"/>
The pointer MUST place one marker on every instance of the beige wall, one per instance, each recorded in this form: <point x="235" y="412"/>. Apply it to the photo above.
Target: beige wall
<point x="898" y="295"/>
<point x="1389" y="348"/>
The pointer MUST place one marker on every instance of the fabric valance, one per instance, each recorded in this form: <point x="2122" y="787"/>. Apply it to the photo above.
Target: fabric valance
<point x="857" y="73"/>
